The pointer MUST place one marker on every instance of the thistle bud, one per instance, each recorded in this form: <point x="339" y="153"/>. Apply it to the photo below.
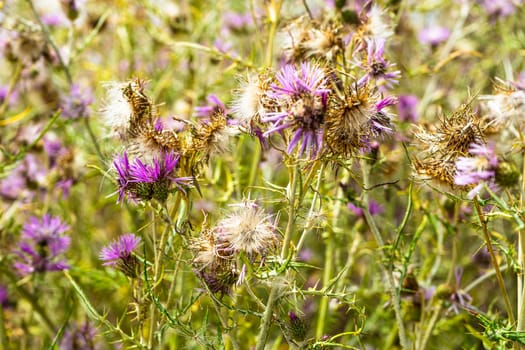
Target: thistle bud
<point x="507" y="175"/>
<point x="296" y="327"/>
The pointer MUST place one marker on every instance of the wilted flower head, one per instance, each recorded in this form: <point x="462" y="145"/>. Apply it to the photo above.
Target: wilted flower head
<point x="212" y="136"/>
<point x="42" y="245"/>
<point x="128" y="110"/>
<point x="76" y="104"/>
<point x="213" y="263"/>
<point x="375" y="23"/>
<point x="146" y="181"/>
<point x="301" y="96"/>
<point x="119" y="254"/>
<point x="505" y="108"/>
<point x="354" y="118"/>
<point x="307" y="39"/>
<point x="249" y="229"/>
<point x="443" y="145"/>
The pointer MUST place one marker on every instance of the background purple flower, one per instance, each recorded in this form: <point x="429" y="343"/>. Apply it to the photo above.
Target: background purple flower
<point x="407" y="108"/>
<point x="42" y="244"/>
<point x="75" y="105"/>
<point x="433" y="35"/>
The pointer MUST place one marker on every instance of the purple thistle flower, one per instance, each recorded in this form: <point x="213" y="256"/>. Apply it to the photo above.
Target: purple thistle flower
<point x="459" y="297"/>
<point x="118" y="254"/>
<point x="43" y="242"/>
<point x="499" y="8"/>
<point x="433" y="35"/>
<point x="478" y="170"/>
<point x="373" y="207"/>
<point x="214" y="105"/>
<point x="141" y="181"/>
<point x="76" y="104"/>
<point x="302" y="96"/>
<point x="119" y="250"/>
<point x="377" y="67"/>
<point x="123" y="170"/>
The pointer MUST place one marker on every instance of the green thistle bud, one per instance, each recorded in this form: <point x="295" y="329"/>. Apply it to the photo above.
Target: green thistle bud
<point x="444" y="292"/>
<point x="296" y="327"/>
<point x="507" y="174"/>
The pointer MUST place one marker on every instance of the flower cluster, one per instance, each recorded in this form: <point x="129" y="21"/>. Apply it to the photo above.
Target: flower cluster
<point x="42" y="246"/>
<point x="247" y="230"/>
<point x="318" y="108"/>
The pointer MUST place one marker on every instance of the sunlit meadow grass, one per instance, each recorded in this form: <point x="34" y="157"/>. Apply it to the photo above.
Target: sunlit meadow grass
<point x="262" y="174"/>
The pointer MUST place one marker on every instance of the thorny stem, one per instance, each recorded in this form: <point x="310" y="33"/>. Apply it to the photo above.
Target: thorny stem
<point x="224" y="324"/>
<point x="329" y="263"/>
<point x="309" y="224"/>
<point x="159" y="252"/>
<point x="365" y="168"/>
<point x="495" y="264"/>
<point x="272" y="298"/>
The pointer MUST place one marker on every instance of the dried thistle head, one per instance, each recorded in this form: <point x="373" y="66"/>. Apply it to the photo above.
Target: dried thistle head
<point x="347" y="118"/>
<point x="309" y="39"/>
<point x="213" y="263"/>
<point x="453" y="135"/>
<point x="128" y="111"/>
<point x="211" y="137"/>
<point x="354" y="118"/>
<point x="442" y="145"/>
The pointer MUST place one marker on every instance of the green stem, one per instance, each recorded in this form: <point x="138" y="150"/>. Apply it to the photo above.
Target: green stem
<point x="272" y="298"/>
<point x="33" y="301"/>
<point x="329" y="263"/>
<point x="274" y="10"/>
<point x="309" y="220"/>
<point x="405" y="344"/>
<point x="3" y="336"/>
<point x="495" y="264"/>
<point x="430" y="327"/>
<point x="521" y="257"/>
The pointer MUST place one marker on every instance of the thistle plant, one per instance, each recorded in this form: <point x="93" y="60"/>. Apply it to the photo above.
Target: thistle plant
<point x="262" y="175"/>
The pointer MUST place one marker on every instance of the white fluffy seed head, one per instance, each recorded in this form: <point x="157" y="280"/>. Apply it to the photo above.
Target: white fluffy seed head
<point x="249" y="229"/>
<point x="247" y="103"/>
<point x="117" y="111"/>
